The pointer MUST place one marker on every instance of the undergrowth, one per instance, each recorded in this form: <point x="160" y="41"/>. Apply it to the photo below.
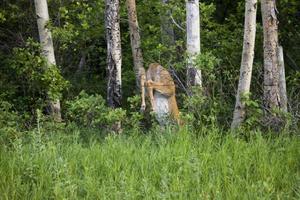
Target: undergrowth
<point x="74" y="163"/>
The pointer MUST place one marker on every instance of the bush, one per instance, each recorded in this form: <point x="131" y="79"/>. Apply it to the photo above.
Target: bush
<point x="91" y="111"/>
<point x="40" y="81"/>
<point x="10" y="123"/>
<point x="208" y="111"/>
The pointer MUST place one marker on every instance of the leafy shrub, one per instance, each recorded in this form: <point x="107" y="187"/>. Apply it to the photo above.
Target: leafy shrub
<point x="10" y="123"/>
<point x="205" y="107"/>
<point x="40" y="81"/>
<point x="135" y="116"/>
<point x="203" y="110"/>
<point x="208" y="63"/>
<point x="91" y="111"/>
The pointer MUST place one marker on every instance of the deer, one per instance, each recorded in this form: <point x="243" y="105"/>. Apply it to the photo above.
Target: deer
<point x="161" y="92"/>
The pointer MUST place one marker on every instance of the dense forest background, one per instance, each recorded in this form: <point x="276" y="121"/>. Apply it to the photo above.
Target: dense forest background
<point x="80" y="49"/>
<point x="81" y="157"/>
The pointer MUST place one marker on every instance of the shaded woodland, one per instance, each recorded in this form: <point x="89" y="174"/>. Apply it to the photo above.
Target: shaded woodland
<point x="149" y="99"/>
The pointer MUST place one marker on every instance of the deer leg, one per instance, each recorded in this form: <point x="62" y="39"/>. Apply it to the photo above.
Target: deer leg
<point x="143" y="106"/>
<point x="150" y="94"/>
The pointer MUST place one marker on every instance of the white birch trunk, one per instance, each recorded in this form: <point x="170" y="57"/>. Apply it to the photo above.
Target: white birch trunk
<point x="247" y="62"/>
<point x="193" y="42"/>
<point x="282" y="82"/>
<point x="114" y="54"/>
<point x="45" y="36"/>
<point x="135" y="41"/>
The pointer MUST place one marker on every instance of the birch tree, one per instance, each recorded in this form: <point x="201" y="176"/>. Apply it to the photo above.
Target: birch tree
<point x="247" y="62"/>
<point x="114" y="56"/>
<point x="135" y="41"/>
<point x="271" y="71"/>
<point x="45" y="36"/>
<point x="193" y="42"/>
<point x="282" y="82"/>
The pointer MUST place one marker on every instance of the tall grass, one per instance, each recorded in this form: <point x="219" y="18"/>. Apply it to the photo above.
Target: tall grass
<point x="168" y="165"/>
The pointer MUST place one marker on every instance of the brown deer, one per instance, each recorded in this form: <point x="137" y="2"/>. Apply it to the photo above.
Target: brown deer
<point x="161" y="91"/>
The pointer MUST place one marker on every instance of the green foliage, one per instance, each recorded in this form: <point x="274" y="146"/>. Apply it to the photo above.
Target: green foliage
<point x="7" y="117"/>
<point x="41" y="159"/>
<point x="208" y="63"/>
<point x="40" y="81"/>
<point x="80" y="44"/>
<point x="205" y="111"/>
<point x="91" y="111"/>
<point x="135" y="116"/>
<point x="2" y="17"/>
<point x="79" y="39"/>
<point x="253" y="116"/>
<point x="53" y="82"/>
<point x="254" y="112"/>
<point x="170" y="165"/>
<point x="11" y="124"/>
<point x="205" y="107"/>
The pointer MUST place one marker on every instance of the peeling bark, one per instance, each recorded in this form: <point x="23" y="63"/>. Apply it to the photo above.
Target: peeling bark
<point x="247" y="62"/>
<point x="271" y="72"/>
<point x="272" y="101"/>
<point x="114" y="56"/>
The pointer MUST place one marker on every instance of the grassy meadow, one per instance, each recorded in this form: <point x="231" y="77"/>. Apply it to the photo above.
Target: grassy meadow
<point x="164" y="164"/>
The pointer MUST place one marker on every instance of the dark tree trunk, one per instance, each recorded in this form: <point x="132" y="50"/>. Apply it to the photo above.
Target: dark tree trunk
<point x="114" y="56"/>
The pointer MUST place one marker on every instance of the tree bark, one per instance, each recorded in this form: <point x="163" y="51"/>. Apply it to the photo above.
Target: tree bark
<point x="247" y="62"/>
<point x="193" y="42"/>
<point x="282" y="82"/>
<point x="114" y="56"/>
<point x="271" y="71"/>
<point x="135" y="41"/>
<point x="45" y="36"/>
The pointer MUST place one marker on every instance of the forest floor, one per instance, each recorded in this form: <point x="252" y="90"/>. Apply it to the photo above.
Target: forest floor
<point x="78" y="164"/>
